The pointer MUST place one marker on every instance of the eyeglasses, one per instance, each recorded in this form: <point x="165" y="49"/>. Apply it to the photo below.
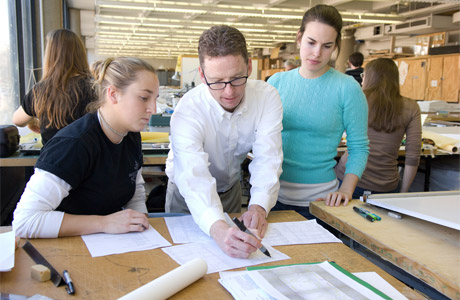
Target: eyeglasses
<point x="223" y="84"/>
<point x="362" y="75"/>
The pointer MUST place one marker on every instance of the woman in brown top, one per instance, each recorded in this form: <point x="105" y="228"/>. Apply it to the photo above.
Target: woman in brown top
<point x="390" y="117"/>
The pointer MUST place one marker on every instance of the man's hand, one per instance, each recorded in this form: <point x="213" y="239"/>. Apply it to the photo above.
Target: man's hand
<point x="254" y="218"/>
<point x="233" y="241"/>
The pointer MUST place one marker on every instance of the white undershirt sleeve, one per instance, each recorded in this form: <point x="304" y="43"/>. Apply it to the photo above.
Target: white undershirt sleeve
<point x="137" y="202"/>
<point x="35" y="215"/>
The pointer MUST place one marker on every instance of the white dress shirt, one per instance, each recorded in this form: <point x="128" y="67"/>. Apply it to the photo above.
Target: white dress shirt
<point x="208" y="145"/>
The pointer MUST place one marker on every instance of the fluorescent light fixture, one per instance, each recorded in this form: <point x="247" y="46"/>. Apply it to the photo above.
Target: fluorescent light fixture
<point x="375" y="21"/>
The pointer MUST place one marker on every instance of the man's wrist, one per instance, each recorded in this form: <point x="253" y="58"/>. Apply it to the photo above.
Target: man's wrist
<point x="258" y="209"/>
<point x="217" y="227"/>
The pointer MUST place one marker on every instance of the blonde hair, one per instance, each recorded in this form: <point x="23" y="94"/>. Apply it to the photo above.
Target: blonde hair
<point x="119" y="72"/>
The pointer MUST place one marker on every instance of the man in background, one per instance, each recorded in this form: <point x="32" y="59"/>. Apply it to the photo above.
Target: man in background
<point x="355" y="62"/>
<point x="290" y="64"/>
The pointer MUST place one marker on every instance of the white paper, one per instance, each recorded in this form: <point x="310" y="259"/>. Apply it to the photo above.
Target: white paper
<point x="185" y="230"/>
<point x="403" y="71"/>
<point x="381" y="284"/>
<point x="216" y="259"/>
<point x="295" y="233"/>
<point x="7" y="241"/>
<point x="315" y="281"/>
<point x="242" y="287"/>
<point x="101" y="244"/>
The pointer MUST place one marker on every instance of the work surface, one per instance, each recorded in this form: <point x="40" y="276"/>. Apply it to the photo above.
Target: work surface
<point x="21" y="160"/>
<point x="428" y="251"/>
<point x="110" y="277"/>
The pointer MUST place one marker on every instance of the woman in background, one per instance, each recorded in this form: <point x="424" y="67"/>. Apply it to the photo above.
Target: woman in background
<point x="319" y="104"/>
<point x="65" y="89"/>
<point x="390" y="118"/>
<point x="88" y="176"/>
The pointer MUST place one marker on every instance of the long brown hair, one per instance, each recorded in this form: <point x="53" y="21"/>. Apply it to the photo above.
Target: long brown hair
<point x="65" y="58"/>
<point x="381" y="87"/>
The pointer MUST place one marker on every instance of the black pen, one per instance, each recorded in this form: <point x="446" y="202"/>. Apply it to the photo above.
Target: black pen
<point x="70" y="289"/>
<point x="243" y="228"/>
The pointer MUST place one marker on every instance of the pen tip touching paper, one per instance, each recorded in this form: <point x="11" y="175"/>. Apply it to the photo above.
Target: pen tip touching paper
<point x="267" y="253"/>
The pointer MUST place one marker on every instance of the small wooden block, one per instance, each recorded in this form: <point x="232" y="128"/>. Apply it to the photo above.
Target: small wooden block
<point x="40" y="273"/>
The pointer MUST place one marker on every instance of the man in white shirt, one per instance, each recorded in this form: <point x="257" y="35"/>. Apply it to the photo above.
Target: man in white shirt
<point x="213" y="128"/>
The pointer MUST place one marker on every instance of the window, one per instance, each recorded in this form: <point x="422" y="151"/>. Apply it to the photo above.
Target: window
<point x="9" y="67"/>
<point x="17" y="53"/>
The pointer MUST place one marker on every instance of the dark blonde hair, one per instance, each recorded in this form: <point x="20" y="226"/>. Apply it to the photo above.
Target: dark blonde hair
<point x="65" y="58"/>
<point x="119" y="72"/>
<point x="222" y="40"/>
<point x="325" y="14"/>
<point x="381" y="87"/>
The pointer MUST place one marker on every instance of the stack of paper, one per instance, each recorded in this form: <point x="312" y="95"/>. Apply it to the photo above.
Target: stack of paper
<point x="298" y="233"/>
<point x="185" y="230"/>
<point x="305" y="281"/>
<point x="101" y="244"/>
<point x="7" y="253"/>
<point x="216" y="259"/>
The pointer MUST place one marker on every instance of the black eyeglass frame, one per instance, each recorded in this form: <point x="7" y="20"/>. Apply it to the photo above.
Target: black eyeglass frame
<point x="225" y="82"/>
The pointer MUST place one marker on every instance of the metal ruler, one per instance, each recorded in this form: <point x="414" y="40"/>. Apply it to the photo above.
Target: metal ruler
<point x="56" y="278"/>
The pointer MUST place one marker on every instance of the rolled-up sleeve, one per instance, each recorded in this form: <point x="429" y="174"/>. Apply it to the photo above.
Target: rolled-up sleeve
<point x="413" y="137"/>
<point x="191" y="172"/>
<point x="266" y="166"/>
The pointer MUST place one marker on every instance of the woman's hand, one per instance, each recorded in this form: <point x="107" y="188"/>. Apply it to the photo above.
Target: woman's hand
<point x="125" y="221"/>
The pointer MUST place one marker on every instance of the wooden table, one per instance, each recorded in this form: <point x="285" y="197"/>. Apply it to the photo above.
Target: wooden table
<point x="20" y="160"/>
<point x="110" y="277"/>
<point x="427" y="251"/>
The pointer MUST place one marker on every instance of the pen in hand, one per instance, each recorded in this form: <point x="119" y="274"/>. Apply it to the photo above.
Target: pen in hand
<point x="243" y="228"/>
<point x="70" y="289"/>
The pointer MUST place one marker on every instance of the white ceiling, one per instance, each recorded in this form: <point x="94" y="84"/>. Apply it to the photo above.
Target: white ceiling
<point x="166" y="29"/>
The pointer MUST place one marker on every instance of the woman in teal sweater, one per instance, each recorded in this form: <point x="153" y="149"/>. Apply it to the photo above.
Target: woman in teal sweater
<point x="319" y="105"/>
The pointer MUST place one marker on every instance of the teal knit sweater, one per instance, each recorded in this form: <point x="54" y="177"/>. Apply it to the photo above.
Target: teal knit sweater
<point x="316" y="112"/>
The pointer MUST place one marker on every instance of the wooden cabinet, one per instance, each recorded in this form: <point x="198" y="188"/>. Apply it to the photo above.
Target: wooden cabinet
<point x="443" y="78"/>
<point x="434" y="77"/>
<point x="450" y="80"/>
<point x="412" y="77"/>
<point x="269" y="72"/>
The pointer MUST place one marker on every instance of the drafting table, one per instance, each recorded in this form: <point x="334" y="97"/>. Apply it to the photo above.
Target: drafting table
<point x="442" y="208"/>
<point x="110" y="277"/>
<point x="421" y="254"/>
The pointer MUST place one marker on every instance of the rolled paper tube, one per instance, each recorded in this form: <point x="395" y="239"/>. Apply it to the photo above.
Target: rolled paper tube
<point x="450" y="148"/>
<point x="441" y="141"/>
<point x="170" y="283"/>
